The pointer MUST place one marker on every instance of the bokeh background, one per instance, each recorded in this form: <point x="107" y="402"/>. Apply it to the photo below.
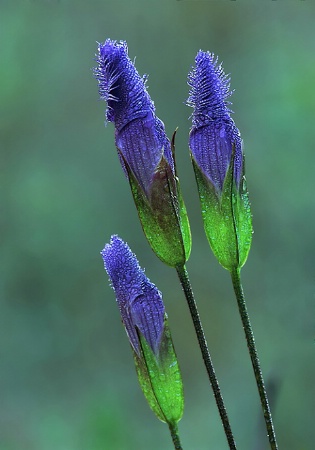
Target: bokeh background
<point x="67" y="379"/>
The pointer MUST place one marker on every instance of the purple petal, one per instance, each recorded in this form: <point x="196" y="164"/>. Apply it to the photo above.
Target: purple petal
<point x="140" y="135"/>
<point x="139" y="300"/>
<point x="142" y="146"/>
<point x="214" y="132"/>
<point x="147" y="313"/>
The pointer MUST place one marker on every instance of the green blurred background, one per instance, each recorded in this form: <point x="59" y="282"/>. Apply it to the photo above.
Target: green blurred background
<point x="67" y="380"/>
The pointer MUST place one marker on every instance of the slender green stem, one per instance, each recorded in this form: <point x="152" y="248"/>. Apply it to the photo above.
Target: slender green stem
<point x="184" y="279"/>
<point x="238" y="289"/>
<point x="175" y="436"/>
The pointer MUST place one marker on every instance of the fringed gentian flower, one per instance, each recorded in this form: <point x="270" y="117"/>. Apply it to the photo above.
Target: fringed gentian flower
<point x="143" y="315"/>
<point x="145" y="153"/>
<point x="218" y="160"/>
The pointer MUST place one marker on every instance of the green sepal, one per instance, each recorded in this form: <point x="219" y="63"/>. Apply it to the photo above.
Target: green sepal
<point x="163" y="214"/>
<point x="160" y="379"/>
<point x="226" y="216"/>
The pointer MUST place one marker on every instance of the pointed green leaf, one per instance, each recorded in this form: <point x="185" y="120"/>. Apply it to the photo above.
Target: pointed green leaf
<point x="160" y="378"/>
<point x="163" y="215"/>
<point x="226" y="217"/>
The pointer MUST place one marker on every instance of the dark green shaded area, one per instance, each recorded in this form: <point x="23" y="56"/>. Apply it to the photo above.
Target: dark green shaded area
<point x="163" y="215"/>
<point x="67" y="377"/>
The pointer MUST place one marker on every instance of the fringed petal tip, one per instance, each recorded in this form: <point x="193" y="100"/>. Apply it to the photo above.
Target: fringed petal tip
<point x="120" y="85"/>
<point x="119" y="260"/>
<point x="209" y="89"/>
<point x="109" y="60"/>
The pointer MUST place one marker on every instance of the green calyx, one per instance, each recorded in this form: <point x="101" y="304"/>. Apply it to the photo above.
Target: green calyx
<point x="163" y="215"/>
<point x="160" y="379"/>
<point x="226" y="217"/>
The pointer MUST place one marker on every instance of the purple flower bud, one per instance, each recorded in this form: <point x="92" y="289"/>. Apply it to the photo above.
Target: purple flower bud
<point x="214" y="134"/>
<point x="139" y="300"/>
<point x="140" y="135"/>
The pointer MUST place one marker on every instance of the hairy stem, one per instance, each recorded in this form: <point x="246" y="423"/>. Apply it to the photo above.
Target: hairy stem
<point x="238" y="289"/>
<point x="175" y="436"/>
<point x="184" y="279"/>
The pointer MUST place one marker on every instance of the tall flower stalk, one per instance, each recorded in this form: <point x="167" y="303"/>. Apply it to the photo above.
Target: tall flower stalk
<point x="147" y="158"/>
<point x="218" y="161"/>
